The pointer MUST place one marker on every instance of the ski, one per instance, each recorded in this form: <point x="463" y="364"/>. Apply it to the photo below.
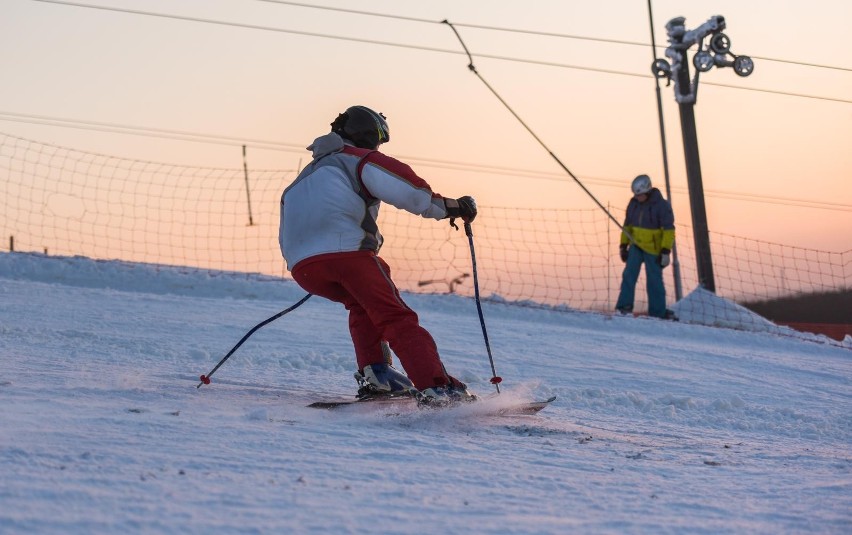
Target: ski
<point x="483" y="405"/>
<point x="382" y="400"/>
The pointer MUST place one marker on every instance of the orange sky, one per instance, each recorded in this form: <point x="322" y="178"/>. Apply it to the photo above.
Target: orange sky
<point x="104" y="66"/>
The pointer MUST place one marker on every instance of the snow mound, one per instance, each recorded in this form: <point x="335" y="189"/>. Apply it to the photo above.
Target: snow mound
<point x="706" y="308"/>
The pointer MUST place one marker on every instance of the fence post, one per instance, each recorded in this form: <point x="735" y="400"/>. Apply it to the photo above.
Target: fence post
<point x="608" y="263"/>
<point x="248" y="192"/>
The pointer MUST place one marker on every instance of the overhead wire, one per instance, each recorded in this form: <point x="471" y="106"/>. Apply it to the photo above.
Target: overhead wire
<point x="186" y="136"/>
<point x="147" y="131"/>
<point x="527" y="32"/>
<point x="196" y="137"/>
<point x="410" y="46"/>
<point x="472" y="68"/>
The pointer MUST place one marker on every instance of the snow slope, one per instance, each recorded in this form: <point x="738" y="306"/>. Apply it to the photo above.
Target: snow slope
<point x="659" y="427"/>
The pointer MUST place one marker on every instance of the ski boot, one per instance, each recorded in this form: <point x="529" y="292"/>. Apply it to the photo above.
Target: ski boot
<point x="382" y="380"/>
<point x="444" y="396"/>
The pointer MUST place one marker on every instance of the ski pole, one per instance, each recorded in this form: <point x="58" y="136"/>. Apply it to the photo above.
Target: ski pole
<point x="205" y="379"/>
<point x="495" y="379"/>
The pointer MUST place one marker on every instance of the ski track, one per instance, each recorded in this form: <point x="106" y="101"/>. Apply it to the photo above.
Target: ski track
<point x="102" y="428"/>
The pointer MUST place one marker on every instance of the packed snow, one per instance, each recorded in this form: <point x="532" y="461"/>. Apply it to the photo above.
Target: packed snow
<point x="658" y="426"/>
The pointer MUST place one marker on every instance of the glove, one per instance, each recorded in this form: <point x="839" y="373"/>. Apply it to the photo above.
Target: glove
<point x="665" y="257"/>
<point x="622" y="252"/>
<point x="463" y="207"/>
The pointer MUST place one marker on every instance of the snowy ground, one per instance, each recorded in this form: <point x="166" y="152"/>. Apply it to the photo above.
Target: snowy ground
<point x="659" y="427"/>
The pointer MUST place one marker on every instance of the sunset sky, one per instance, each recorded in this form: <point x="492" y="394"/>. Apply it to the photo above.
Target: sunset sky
<point x="776" y="147"/>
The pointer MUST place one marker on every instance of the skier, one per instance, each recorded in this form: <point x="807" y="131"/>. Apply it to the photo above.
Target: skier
<point x="330" y="241"/>
<point x="650" y="223"/>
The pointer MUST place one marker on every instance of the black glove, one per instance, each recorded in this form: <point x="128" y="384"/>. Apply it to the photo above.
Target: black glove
<point x="665" y="257"/>
<point x="622" y="252"/>
<point x="463" y="207"/>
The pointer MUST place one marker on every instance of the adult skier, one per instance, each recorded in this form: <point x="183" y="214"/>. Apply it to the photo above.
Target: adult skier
<point x="330" y="240"/>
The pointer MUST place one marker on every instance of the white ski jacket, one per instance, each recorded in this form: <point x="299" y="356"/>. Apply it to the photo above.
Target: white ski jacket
<point x="333" y="204"/>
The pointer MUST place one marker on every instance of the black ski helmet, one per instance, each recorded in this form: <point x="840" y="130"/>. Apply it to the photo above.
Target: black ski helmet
<point x="362" y="126"/>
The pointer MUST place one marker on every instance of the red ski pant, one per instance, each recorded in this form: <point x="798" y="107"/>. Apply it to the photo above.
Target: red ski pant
<point x="361" y="281"/>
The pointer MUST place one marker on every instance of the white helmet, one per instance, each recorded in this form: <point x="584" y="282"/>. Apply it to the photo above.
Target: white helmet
<point x="641" y="184"/>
